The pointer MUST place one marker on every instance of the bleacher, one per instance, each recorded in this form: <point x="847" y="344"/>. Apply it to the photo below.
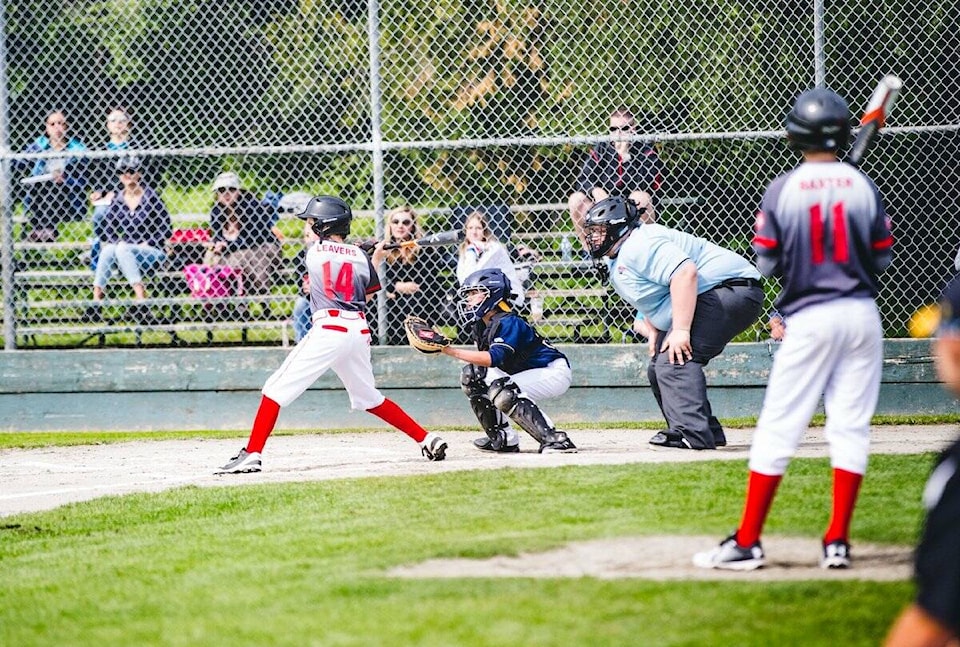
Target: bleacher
<point x="53" y="293"/>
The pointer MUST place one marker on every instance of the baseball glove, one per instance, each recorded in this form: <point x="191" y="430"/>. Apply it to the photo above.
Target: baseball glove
<point x="424" y="337"/>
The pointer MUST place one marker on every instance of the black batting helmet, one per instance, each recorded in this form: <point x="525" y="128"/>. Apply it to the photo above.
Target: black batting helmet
<point x="618" y="216"/>
<point x="331" y="216"/>
<point x="818" y="121"/>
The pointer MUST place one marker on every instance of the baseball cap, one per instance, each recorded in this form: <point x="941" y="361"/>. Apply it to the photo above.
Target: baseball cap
<point x="227" y="180"/>
<point x="128" y="163"/>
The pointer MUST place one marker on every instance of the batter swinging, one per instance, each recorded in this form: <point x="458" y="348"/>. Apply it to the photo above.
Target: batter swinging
<point x="342" y="278"/>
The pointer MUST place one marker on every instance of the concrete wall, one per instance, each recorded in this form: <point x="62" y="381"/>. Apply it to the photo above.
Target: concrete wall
<point x="219" y="389"/>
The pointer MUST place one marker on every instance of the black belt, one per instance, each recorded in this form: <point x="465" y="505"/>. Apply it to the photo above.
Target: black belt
<point x="750" y="283"/>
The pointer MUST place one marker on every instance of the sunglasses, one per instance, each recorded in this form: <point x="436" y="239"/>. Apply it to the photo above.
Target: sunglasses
<point x="225" y="189"/>
<point x="406" y="222"/>
<point x="617" y="129"/>
<point x="128" y="171"/>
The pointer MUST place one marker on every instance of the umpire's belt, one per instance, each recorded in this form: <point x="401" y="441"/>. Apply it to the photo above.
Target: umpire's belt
<point x="740" y="283"/>
<point x="343" y="314"/>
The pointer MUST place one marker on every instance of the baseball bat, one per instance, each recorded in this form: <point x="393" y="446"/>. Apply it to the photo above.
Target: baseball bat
<point x="433" y="240"/>
<point x="875" y="116"/>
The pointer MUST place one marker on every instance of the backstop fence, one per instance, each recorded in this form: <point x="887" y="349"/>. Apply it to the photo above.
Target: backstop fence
<point x="181" y="124"/>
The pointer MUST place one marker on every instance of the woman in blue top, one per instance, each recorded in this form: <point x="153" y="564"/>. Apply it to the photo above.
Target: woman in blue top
<point x="56" y="184"/>
<point x="135" y="228"/>
<point x="511" y="369"/>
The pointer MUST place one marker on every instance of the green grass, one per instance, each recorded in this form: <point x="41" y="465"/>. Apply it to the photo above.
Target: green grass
<point x="303" y="563"/>
<point x="28" y="439"/>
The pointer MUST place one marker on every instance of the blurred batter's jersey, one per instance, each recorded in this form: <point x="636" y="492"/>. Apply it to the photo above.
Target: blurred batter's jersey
<point x="823" y="229"/>
<point x="341" y="277"/>
<point x="515" y="345"/>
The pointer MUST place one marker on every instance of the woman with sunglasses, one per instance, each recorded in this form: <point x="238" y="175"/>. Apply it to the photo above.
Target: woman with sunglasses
<point x="244" y="234"/>
<point x="103" y="177"/>
<point x="620" y="168"/>
<point x="412" y="279"/>
<point x="135" y="229"/>
<point x="55" y="188"/>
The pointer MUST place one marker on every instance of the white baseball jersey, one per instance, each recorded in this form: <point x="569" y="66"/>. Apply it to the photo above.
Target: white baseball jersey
<point x="341" y="278"/>
<point x="823" y="229"/>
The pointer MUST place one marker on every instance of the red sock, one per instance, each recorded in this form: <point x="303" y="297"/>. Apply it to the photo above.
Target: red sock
<point x="391" y="412"/>
<point x="263" y="424"/>
<point x="846" y="487"/>
<point x="760" y="491"/>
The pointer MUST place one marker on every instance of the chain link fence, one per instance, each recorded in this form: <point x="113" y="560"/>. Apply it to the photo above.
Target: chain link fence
<point x="201" y="128"/>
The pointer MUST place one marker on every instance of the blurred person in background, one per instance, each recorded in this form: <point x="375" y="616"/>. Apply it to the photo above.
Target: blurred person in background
<point x="55" y="188"/>
<point x="244" y="234"/>
<point x="619" y="168"/>
<point x="135" y="229"/>
<point x="103" y="178"/>
<point x="411" y="276"/>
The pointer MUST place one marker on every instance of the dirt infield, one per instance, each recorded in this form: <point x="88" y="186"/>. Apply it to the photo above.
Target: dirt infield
<point x="41" y="479"/>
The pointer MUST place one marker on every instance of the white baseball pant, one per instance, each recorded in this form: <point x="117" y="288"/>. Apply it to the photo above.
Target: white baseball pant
<point x="338" y="340"/>
<point x="833" y="349"/>
<point x="538" y="384"/>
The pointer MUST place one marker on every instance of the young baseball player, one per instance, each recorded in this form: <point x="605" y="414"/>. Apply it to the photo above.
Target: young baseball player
<point x="695" y="297"/>
<point x="822" y="229"/>
<point x="342" y="278"/>
<point x="512" y="369"/>
<point x="933" y="618"/>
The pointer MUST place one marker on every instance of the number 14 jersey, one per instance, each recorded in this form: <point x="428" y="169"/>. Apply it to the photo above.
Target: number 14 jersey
<point x="341" y="276"/>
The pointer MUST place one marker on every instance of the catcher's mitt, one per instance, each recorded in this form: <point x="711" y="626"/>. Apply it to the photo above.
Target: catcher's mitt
<point x="424" y="337"/>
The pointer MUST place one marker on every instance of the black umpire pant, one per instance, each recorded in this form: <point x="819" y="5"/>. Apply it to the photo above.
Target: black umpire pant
<point x="681" y="390"/>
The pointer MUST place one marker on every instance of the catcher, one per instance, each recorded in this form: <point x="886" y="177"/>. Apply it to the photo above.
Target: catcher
<point x="512" y="368"/>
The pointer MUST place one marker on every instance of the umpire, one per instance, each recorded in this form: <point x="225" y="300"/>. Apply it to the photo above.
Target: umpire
<point x="695" y="297"/>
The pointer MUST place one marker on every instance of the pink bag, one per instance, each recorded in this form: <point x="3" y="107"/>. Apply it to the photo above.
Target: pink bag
<point x="207" y="282"/>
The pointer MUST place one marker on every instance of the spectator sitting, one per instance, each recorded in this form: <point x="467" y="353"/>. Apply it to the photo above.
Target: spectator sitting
<point x="243" y="233"/>
<point x="135" y="228"/>
<point x="411" y="275"/>
<point x="301" y="307"/>
<point x="619" y="168"/>
<point x="103" y="176"/>
<point x="480" y="249"/>
<point x="55" y="194"/>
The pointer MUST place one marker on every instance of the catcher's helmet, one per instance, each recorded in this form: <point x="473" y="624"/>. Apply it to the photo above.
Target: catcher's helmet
<point x="818" y="121"/>
<point x="618" y="216"/>
<point x="494" y="285"/>
<point x="331" y="216"/>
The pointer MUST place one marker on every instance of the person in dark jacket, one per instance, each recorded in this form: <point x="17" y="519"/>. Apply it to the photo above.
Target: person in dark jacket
<point x="244" y="234"/>
<point x="411" y="276"/>
<point x="104" y="183"/>
<point x="619" y="168"/>
<point x="135" y="229"/>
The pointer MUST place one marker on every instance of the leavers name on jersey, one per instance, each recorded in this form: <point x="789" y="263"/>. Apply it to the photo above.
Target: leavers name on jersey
<point x="336" y="248"/>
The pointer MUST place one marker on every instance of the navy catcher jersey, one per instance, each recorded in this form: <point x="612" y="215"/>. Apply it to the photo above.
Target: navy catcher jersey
<point x="341" y="276"/>
<point x="823" y="229"/>
<point x="515" y="345"/>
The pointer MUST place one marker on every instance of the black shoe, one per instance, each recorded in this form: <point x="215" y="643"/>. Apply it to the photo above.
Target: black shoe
<point x="488" y="445"/>
<point x="720" y="441"/>
<point x="672" y="439"/>
<point x="564" y="446"/>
